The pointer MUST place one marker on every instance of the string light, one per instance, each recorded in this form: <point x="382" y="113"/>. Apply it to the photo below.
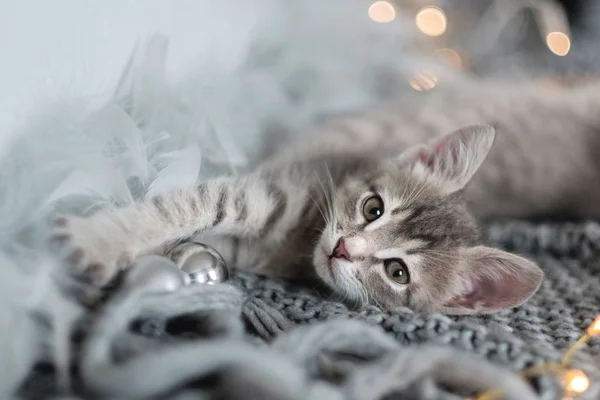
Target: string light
<point x="574" y="381"/>
<point x="431" y="21"/>
<point x="558" y="43"/>
<point x="594" y="328"/>
<point x="450" y="57"/>
<point x="553" y="25"/>
<point x="382" y="12"/>
<point x="423" y="81"/>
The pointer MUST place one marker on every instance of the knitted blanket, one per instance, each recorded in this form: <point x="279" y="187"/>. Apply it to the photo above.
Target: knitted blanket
<point x="260" y="338"/>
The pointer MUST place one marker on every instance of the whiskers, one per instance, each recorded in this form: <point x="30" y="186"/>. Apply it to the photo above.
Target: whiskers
<point x="347" y="284"/>
<point x="438" y="256"/>
<point x="327" y="199"/>
<point x="353" y="291"/>
<point x="412" y="194"/>
<point x="364" y="297"/>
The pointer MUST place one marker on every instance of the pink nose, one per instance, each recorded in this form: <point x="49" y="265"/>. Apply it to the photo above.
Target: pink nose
<point x="340" y="250"/>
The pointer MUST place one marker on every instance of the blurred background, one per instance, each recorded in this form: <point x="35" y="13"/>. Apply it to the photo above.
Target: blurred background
<point x="82" y="45"/>
<point x="79" y="47"/>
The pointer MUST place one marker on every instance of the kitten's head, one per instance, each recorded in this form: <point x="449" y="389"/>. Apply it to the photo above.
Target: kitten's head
<point x="401" y="235"/>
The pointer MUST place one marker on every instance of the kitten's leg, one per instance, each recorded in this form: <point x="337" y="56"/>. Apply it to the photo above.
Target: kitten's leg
<point x="99" y="245"/>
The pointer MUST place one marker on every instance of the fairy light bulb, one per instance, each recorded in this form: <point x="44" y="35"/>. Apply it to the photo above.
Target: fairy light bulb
<point x="575" y="382"/>
<point x="450" y="57"/>
<point x="558" y="43"/>
<point x="594" y="328"/>
<point x="423" y="81"/>
<point x="553" y="24"/>
<point x="431" y="21"/>
<point x="382" y="12"/>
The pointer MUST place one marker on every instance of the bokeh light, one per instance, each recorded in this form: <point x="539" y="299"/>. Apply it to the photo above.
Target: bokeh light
<point x="594" y="328"/>
<point x="558" y="43"/>
<point x="576" y="382"/>
<point x="382" y="12"/>
<point x="423" y="81"/>
<point x="431" y="21"/>
<point x="450" y="57"/>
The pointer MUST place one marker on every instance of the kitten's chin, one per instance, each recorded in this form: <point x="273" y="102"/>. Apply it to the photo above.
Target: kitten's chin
<point x="323" y="268"/>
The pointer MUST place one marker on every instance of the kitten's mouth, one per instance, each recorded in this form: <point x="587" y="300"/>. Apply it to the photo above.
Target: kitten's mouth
<point x="329" y="263"/>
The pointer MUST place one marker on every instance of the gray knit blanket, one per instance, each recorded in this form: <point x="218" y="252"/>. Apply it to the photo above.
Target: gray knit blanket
<point x="261" y="338"/>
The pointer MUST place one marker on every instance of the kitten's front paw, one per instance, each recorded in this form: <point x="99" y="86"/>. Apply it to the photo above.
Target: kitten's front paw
<point x="93" y="251"/>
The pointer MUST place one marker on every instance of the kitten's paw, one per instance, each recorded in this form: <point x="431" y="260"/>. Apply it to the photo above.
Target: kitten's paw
<point x="93" y="251"/>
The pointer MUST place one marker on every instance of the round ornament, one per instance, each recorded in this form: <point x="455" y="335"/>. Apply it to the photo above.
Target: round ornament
<point x="154" y="273"/>
<point x="200" y="263"/>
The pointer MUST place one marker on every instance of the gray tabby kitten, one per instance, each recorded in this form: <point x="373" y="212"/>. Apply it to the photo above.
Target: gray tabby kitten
<point x="382" y="205"/>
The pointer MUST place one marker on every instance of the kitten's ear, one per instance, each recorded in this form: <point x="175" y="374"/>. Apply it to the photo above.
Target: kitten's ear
<point x="493" y="280"/>
<point x="454" y="158"/>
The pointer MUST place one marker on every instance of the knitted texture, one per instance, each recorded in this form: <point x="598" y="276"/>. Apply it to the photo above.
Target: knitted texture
<point x="256" y="337"/>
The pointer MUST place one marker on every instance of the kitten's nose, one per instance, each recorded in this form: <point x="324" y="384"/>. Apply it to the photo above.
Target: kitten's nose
<point x="340" y="251"/>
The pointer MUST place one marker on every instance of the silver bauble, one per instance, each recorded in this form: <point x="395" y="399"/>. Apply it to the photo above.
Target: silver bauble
<point x="154" y="274"/>
<point x="200" y="263"/>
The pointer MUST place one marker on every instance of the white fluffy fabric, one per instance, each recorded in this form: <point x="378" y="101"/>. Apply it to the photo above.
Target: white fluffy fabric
<point x="148" y="132"/>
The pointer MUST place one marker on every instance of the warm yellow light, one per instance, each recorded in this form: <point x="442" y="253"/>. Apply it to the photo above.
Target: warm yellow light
<point x="558" y="43"/>
<point x="594" y="328"/>
<point x="576" y="381"/>
<point x="382" y="12"/>
<point x="431" y="21"/>
<point x="450" y="57"/>
<point x="423" y="81"/>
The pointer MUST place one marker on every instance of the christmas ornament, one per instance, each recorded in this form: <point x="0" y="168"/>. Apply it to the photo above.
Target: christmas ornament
<point x="154" y="273"/>
<point x="200" y="263"/>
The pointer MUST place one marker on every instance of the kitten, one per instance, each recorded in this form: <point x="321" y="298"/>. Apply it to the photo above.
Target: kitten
<point x="379" y="207"/>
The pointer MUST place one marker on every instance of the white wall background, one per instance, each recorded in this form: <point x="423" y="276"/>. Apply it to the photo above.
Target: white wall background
<point x="57" y="48"/>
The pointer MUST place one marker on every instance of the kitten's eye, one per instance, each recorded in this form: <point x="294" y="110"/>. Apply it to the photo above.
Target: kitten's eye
<point x="373" y="208"/>
<point x="396" y="270"/>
